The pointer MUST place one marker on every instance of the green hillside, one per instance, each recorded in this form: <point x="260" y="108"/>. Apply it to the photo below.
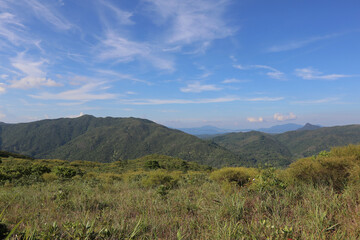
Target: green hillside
<point x="281" y="149"/>
<point x="256" y="147"/>
<point x="109" y="139"/>
<point x="307" y="143"/>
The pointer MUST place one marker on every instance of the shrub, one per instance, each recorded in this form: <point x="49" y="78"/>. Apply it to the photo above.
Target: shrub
<point x="152" y="165"/>
<point x="49" y="177"/>
<point x="238" y="175"/>
<point x="67" y="172"/>
<point x="267" y="180"/>
<point x="323" y="170"/>
<point x="160" y="177"/>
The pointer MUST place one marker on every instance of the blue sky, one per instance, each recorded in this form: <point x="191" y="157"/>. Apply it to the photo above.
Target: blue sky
<point x="234" y="64"/>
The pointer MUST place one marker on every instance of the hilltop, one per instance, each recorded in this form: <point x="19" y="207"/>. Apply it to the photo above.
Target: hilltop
<point x="108" y="140"/>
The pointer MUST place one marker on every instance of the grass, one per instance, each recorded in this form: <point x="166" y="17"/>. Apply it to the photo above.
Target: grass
<point x="105" y="202"/>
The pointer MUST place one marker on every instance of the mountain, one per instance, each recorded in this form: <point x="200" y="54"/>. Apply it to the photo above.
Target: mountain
<point x="256" y="147"/>
<point x="280" y="149"/>
<point x="308" y="127"/>
<point x="205" y="130"/>
<point x="109" y="139"/>
<point x="307" y="143"/>
<point x="280" y="128"/>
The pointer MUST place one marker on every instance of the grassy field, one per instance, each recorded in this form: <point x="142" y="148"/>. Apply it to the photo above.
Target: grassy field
<point x="315" y="198"/>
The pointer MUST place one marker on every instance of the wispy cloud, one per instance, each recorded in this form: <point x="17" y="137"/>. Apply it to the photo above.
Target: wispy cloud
<point x="194" y="101"/>
<point x="2" y="115"/>
<point x="272" y="72"/>
<point x="48" y="14"/>
<point x="122" y="76"/>
<point x="114" y="46"/>
<point x="193" y="21"/>
<point x="234" y="80"/>
<point x="255" y="120"/>
<point x="284" y="117"/>
<point x="2" y="88"/>
<point x="197" y="87"/>
<point x="123" y="17"/>
<point x="299" y="44"/>
<point x="33" y="74"/>
<point x="11" y="28"/>
<point x="313" y="74"/>
<point x="87" y="92"/>
<point x="316" y="101"/>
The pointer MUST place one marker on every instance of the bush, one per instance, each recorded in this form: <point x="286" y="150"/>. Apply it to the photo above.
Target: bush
<point x="268" y="180"/>
<point x="67" y="172"/>
<point x="237" y="175"/>
<point x="160" y="177"/>
<point x="332" y="169"/>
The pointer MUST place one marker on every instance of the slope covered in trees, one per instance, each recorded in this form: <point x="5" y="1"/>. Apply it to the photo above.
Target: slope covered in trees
<point x="109" y="139"/>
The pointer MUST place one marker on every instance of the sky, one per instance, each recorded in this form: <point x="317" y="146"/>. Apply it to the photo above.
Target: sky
<point x="182" y="63"/>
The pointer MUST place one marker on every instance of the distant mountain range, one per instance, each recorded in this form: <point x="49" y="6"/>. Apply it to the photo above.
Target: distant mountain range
<point x="113" y="139"/>
<point x="211" y="130"/>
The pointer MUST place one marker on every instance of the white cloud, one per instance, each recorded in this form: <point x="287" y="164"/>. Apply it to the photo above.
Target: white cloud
<point x="193" y="101"/>
<point x="87" y="92"/>
<point x="2" y="115"/>
<point x="115" y="46"/>
<point x="2" y="88"/>
<point x="76" y="116"/>
<point x="299" y="44"/>
<point x="123" y="17"/>
<point x="280" y="117"/>
<point x="122" y="76"/>
<point x="197" y="87"/>
<point x="11" y="28"/>
<point x="4" y="76"/>
<point x="264" y="99"/>
<point x="273" y="72"/>
<point x="313" y="74"/>
<point x="34" y="76"/>
<point x="316" y="101"/>
<point x="48" y="14"/>
<point x="233" y="80"/>
<point x="255" y="120"/>
<point x="193" y="21"/>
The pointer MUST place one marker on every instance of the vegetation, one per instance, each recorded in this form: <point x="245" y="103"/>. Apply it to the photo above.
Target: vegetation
<point x="281" y="149"/>
<point x="159" y="197"/>
<point x="108" y="140"/>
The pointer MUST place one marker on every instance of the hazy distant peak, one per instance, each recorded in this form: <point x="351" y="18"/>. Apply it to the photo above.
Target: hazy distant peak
<point x="308" y="127"/>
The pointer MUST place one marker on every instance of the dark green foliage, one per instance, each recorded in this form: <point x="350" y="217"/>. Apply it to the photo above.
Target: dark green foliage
<point x="68" y="172"/>
<point x="5" y="154"/>
<point x="259" y="148"/>
<point x="256" y="147"/>
<point x="152" y="164"/>
<point x="109" y="139"/>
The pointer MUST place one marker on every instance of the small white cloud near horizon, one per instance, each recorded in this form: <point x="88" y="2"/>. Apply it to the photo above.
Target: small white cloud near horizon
<point x="197" y="87"/>
<point x="313" y="74"/>
<point x="2" y="115"/>
<point x="76" y="116"/>
<point x="280" y="117"/>
<point x="255" y="120"/>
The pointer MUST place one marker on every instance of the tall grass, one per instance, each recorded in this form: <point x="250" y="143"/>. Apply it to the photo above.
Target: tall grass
<point x="231" y="203"/>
